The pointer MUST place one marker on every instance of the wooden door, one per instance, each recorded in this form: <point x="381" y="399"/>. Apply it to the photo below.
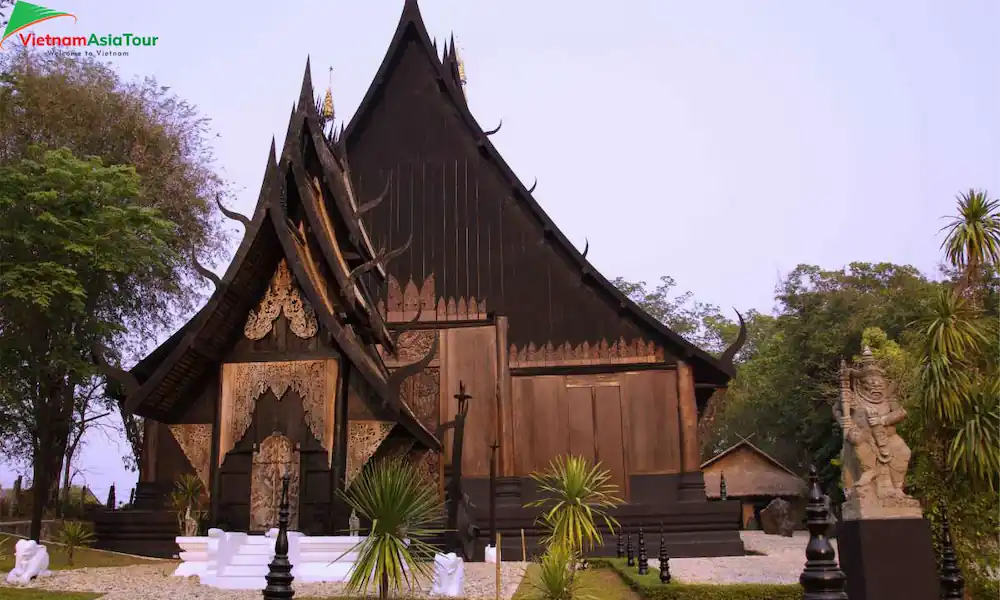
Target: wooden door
<point x="609" y="435"/>
<point x="469" y="356"/>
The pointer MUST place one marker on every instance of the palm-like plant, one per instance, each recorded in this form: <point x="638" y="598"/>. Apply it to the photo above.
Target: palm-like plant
<point x="576" y="495"/>
<point x="973" y="238"/>
<point x="186" y="495"/>
<point x="959" y="376"/>
<point x="73" y="535"/>
<point x="401" y="506"/>
<point x="554" y="579"/>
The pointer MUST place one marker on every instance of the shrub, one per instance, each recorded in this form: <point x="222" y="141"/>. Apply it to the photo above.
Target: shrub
<point x="649" y="587"/>
<point x="73" y="535"/>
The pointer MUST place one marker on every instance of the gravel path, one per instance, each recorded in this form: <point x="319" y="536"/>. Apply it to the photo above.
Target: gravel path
<point x="782" y="562"/>
<point x="155" y="582"/>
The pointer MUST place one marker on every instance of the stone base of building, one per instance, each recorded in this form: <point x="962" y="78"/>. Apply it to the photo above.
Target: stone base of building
<point x="888" y="559"/>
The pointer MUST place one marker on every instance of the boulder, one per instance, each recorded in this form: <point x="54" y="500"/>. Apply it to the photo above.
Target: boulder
<point x="776" y="519"/>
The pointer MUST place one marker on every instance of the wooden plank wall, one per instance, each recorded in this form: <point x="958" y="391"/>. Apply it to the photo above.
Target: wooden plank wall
<point x="627" y="421"/>
<point x="469" y="355"/>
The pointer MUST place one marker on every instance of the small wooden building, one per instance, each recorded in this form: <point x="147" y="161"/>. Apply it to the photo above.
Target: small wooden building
<point x="754" y="478"/>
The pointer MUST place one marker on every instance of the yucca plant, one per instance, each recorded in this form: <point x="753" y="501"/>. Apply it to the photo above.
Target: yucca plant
<point x="186" y="494"/>
<point x="555" y="579"/>
<point x="73" y="535"/>
<point x="401" y="507"/>
<point x="576" y="496"/>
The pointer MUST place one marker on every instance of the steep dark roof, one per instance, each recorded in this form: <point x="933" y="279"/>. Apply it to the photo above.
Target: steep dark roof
<point x="708" y="369"/>
<point x="171" y="373"/>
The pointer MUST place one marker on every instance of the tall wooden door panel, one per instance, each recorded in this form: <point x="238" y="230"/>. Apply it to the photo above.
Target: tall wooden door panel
<point x="608" y="435"/>
<point x="580" y="417"/>
<point x="649" y="400"/>
<point x="469" y="356"/>
<point x="541" y="430"/>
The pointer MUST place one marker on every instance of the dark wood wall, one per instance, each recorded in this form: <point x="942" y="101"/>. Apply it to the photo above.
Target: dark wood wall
<point x="468" y="228"/>
<point x="627" y="421"/>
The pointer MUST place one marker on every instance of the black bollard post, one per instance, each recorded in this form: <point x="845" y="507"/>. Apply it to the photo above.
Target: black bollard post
<point x="131" y="498"/>
<point x="643" y="559"/>
<point x="822" y="578"/>
<point x="723" y="489"/>
<point x="279" y="576"/>
<point x="664" y="560"/>
<point x="628" y="551"/>
<point x="111" y="497"/>
<point x="952" y="582"/>
<point x="620" y="550"/>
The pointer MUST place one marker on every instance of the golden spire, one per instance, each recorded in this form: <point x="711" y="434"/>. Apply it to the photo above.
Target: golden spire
<point x="327" y="113"/>
<point x="459" y="62"/>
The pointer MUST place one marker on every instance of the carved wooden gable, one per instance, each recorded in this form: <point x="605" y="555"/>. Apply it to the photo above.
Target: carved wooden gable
<point x="282" y="295"/>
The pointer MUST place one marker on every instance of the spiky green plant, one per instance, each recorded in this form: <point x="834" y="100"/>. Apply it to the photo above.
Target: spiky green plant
<point x="576" y="495"/>
<point x="555" y="579"/>
<point x="186" y="494"/>
<point x="401" y="507"/>
<point x="73" y="535"/>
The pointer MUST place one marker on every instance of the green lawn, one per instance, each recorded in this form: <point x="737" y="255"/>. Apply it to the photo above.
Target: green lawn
<point x="595" y="584"/>
<point x="82" y="557"/>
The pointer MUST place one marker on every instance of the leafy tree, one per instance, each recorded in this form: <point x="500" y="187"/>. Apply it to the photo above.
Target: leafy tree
<point x="67" y="284"/>
<point x="57" y="100"/>
<point x="784" y="393"/>
<point x="700" y="323"/>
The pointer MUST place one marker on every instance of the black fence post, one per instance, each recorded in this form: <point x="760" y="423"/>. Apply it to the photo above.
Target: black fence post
<point x="628" y="550"/>
<point x="952" y="582"/>
<point x="620" y="550"/>
<point x="643" y="559"/>
<point x="822" y="578"/>
<point x="279" y="577"/>
<point x="664" y="560"/>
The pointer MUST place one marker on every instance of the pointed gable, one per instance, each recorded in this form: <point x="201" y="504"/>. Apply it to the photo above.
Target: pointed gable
<point x="305" y="229"/>
<point x="476" y="228"/>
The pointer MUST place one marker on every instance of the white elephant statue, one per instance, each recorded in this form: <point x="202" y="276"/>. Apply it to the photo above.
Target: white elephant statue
<point x="30" y="561"/>
<point x="449" y="575"/>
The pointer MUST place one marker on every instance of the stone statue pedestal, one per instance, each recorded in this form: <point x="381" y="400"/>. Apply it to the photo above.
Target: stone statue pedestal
<point x="888" y="558"/>
<point x="902" y="508"/>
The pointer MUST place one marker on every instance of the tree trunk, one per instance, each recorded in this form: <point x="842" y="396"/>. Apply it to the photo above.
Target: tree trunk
<point x="53" y="421"/>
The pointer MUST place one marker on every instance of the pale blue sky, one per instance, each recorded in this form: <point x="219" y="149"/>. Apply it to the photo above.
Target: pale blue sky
<point x="721" y="143"/>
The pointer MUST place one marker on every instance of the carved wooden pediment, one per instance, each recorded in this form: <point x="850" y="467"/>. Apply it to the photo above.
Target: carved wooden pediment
<point x="306" y="377"/>
<point x="282" y="295"/>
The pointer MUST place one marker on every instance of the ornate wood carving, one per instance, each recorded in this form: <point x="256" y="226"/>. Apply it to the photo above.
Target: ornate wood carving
<point x="282" y="295"/>
<point x="403" y="302"/>
<point x="196" y="442"/>
<point x="306" y="377"/>
<point x="422" y="393"/>
<point x="414" y="345"/>
<point x="275" y="457"/>
<point x="619" y="352"/>
<point x="428" y="464"/>
<point x="364" y="438"/>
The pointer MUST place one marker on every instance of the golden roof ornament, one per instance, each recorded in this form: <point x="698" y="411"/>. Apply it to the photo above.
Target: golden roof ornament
<point x="327" y="113"/>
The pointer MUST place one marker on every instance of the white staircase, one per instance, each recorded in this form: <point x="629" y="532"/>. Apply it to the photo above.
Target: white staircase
<point x="237" y="561"/>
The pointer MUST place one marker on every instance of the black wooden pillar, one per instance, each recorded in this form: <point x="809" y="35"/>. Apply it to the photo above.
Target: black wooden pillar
<point x="338" y="516"/>
<point x="822" y="578"/>
<point x="279" y="576"/>
<point x="493" y="493"/>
